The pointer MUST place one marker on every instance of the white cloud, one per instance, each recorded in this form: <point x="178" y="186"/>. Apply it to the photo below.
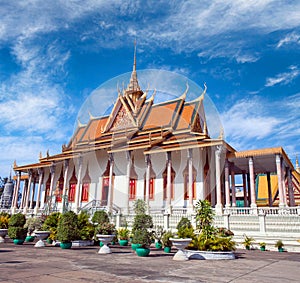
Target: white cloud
<point x="283" y="78"/>
<point x="247" y="120"/>
<point x="288" y="39"/>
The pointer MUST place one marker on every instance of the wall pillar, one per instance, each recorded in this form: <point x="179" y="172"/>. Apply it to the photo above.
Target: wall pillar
<point x="270" y="198"/>
<point x="279" y="176"/>
<point x="148" y="167"/>
<point x="16" y="193"/>
<point x="191" y="179"/>
<point x="219" y="205"/>
<point x="110" y="187"/>
<point x="129" y="165"/>
<point x="169" y="183"/>
<point x="33" y="193"/>
<point x="252" y="183"/>
<point x="233" y="188"/>
<point x="245" y="189"/>
<point x="290" y="187"/>
<point x="227" y="188"/>
<point x="38" y="197"/>
<point x="65" y="186"/>
<point x="78" y="185"/>
<point x="26" y="203"/>
<point x="24" y="193"/>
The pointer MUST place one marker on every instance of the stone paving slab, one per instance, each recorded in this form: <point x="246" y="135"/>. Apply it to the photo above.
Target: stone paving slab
<point x="25" y="263"/>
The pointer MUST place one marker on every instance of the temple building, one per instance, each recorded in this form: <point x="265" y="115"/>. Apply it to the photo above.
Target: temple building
<point x="160" y="152"/>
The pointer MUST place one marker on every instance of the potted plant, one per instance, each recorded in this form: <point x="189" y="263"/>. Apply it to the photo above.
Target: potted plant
<point x="105" y="232"/>
<point x="16" y="230"/>
<point x="248" y="242"/>
<point x="50" y="224"/>
<point x="166" y="242"/>
<point x="123" y="236"/>
<point x="67" y="229"/>
<point x="262" y="246"/>
<point x="279" y="245"/>
<point x="4" y="218"/>
<point x="142" y="237"/>
<point x="32" y="224"/>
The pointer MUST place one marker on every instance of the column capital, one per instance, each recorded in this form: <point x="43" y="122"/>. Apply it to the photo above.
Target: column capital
<point x="40" y="171"/>
<point x="128" y="155"/>
<point x="190" y="153"/>
<point x="52" y="168"/>
<point x="111" y="157"/>
<point x="147" y="158"/>
<point x="169" y="155"/>
<point x="66" y="163"/>
<point x="30" y="172"/>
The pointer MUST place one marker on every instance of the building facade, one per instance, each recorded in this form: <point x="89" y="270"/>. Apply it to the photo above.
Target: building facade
<point x="161" y="153"/>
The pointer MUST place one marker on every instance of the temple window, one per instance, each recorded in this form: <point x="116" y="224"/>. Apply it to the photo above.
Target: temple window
<point x="132" y="189"/>
<point x="151" y="184"/>
<point x="72" y="187"/>
<point x="85" y="186"/>
<point x="186" y="182"/>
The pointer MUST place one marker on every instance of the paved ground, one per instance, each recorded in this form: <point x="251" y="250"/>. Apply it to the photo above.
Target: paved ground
<point x="52" y="264"/>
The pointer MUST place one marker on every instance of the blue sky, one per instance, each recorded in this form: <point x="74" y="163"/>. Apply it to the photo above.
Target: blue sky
<point x="54" y="53"/>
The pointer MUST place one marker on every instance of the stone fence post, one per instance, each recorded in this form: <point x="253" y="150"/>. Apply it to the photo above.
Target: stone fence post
<point x="262" y="221"/>
<point x="226" y="217"/>
<point x="166" y="221"/>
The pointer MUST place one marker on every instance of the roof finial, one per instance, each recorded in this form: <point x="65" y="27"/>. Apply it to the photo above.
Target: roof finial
<point x="297" y="164"/>
<point x="134" y="58"/>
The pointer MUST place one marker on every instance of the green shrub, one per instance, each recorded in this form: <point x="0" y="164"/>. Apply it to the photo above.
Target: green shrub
<point x="140" y="207"/>
<point x="100" y="216"/>
<point x="85" y="228"/>
<point x="17" y="220"/>
<point x="185" y="228"/>
<point x="142" y="221"/>
<point x="50" y="224"/>
<point x="67" y="229"/>
<point x="17" y="232"/>
<point x="143" y="237"/>
<point x="123" y="234"/>
<point x="166" y="239"/>
<point x="16" y="228"/>
<point x="105" y="229"/>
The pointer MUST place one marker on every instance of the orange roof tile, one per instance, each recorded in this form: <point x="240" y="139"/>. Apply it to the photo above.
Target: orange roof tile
<point x="161" y="115"/>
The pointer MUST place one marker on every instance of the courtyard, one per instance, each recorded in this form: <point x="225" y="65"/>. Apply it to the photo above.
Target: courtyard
<point x="83" y="264"/>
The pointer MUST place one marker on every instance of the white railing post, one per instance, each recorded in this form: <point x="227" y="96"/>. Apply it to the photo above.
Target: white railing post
<point x="226" y="219"/>
<point x="262" y="221"/>
<point x="166" y="221"/>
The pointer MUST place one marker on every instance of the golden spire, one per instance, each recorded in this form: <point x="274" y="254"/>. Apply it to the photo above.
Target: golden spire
<point x="133" y="89"/>
<point x="297" y="164"/>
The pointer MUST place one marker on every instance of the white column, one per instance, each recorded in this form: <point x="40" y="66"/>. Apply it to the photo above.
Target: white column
<point x="24" y="193"/>
<point x="110" y="188"/>
<point x="233" y="188"/>
<point x="191" y="181"/>
<point x="33" y="193"/>
<point x="148" y="167"/>
<point x="129" y="164"/>
<point x="169" y="183"/>
<point x="219" y="205"/>
<point x="245" y="189"/>
<point x="227" y="187"/>
<point x="52" y="172"/>
<point x="65" y="186"/>
<point x="201" y="192"/>
<point x="252" y="183"/>
<point x="28" y="192"/>
<point x="279" y="176"/>
<point x="290" y="187"/>
<point x="38" y="197"/>
<point x="270" y="199"/>
<point x="16" y="192"/>
<point x="78" y="185"/>
<point x="283" y="183"/>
